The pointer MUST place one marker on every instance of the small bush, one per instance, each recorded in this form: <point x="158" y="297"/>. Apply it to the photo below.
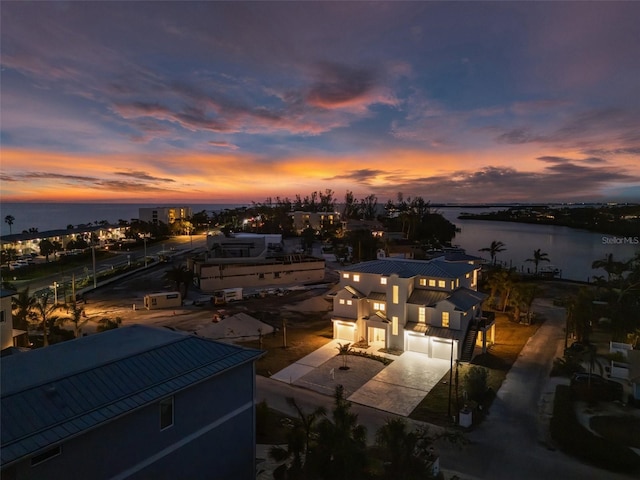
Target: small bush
<point x="475" y="382"/>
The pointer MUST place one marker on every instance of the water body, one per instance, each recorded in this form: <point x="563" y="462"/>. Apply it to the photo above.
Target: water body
<point x="571" y="250"/>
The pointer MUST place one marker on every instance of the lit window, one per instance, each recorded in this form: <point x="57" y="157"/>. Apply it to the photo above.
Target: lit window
<point x="468" y="275"/>
<point x="349" y="302"/>
<point x="342" y="301"/>
<point x="383" y="280"/>
<point x="442" y="284"/>
<point x="445" y="319"/>
<point x="432" y="282"/>
<point x="396" y="295"/>
<point x="394" y="325"/>
<point x="345" y="275"/>
<point x="378" y="306"/>
<point x="422" y="314"/>
<point x="356" y="278"/>
<point x="166" y="413"/>
<point x="423" y="282"/>
<point x="457" y="282"/>
<point x="452" y="284"/>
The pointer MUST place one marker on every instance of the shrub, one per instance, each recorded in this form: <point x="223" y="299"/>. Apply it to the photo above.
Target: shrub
<point x="475" y="382"/>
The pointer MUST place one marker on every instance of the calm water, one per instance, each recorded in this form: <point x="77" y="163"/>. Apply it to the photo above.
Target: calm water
<point x="572" y="251"/>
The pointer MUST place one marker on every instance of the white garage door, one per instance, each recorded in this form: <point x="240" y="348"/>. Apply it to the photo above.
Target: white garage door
<point x="344" y="332"/>
<point x="418" y="344"/>
<point x="440" y="349"/>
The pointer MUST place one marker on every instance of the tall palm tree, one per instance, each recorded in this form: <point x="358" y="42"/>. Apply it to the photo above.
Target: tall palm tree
<point x="493" y="249"/>
<point x="77" y="316"/>
<point x="9" y="219"/>
<point x="45" y="314"/>
<point x="614" y="268"/>
<point x="23" y="306"/>
<point x="538" y="256"/>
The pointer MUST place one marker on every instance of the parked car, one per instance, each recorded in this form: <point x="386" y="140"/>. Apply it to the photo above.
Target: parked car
<point x="590" y="386"/>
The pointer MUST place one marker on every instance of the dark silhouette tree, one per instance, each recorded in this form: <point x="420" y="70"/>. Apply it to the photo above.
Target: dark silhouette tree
<point x="23" y="309"/>
<point x="493" y="249"/>
<point x="538" y="257"/>
<point x="46" y="315"/>
<point x="9" y="219"/>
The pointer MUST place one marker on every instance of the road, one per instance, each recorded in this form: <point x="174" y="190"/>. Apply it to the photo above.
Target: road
<point x="512" y="442"/>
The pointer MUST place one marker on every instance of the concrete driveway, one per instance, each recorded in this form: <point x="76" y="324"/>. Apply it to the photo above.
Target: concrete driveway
<point x="398" y="388"/>
<point x="401" y="386"/>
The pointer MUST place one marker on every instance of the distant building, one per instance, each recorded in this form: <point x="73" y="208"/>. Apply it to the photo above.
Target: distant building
<point x="242" y="245"/>
<point x="427" y="306"/>
<point x="257" y="273"/>
<point x="131" y="403"/>
<point x="316" y="220"/>
<point x="166" y="215"/>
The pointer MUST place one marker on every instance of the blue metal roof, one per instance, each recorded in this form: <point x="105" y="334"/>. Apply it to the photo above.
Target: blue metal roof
<point x="62" y="401"/>
<point x="464" y="299"/>
<point x="412" y="268"/>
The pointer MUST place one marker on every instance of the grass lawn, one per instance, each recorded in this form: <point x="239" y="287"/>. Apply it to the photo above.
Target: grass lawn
<point x="510" y="338"/>
<point x="302" y="339"/>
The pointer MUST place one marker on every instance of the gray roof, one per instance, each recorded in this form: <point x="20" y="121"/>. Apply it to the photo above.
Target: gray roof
<point x="60" y="391"/>
<point x="412" y="268"/>
<point x="421" y="296"/>
<point x="378" y="296"/>
<point x="464" y="298"/>
<point x="4" y="292"/>
<point x="431" y="331"/>
<point x="354" y="292"/>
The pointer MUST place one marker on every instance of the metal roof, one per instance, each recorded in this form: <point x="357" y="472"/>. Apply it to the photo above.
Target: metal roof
<point x="354" y="292"/>
<point x="421" y="296"/>
<point x="464" y="299"/>
<point x="64" y="399"/>
<point x="431" y="331"/>
<point x="377" y="296"/>
<point x="412" y="268"/>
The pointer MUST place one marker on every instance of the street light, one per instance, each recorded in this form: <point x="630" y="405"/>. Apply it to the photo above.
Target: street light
<point x="55" y="292"/>
<point x="145" y="251"/>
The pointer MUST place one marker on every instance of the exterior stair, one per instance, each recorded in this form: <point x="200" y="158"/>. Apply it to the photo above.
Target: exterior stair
<point x="469" y="343"/>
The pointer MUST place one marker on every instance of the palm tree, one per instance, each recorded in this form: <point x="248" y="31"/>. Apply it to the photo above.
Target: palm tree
<point x="181" y="276"/>
<point x="343" y="350"/>
<point x="495" y="248"/>
<point x="538" y="257"/>
<point x="341" y="449"/>
<point x="45" y="314"/>
<point x="613" y="268"/>
<point x="76" y="317"/>
<point x="23" y="306"/>
<point x="298" y="439"/>
<point x="9" y="219"/>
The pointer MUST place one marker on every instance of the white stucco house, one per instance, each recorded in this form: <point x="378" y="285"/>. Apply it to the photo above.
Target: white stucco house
<point x="427" y="306"/>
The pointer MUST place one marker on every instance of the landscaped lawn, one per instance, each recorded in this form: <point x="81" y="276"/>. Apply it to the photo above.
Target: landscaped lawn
<point x="510" y="338"/>
<point x="302" y="339"/>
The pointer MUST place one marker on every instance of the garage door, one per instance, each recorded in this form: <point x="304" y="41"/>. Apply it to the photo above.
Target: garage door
<point x="418" y="344"/>
<point x="440" y="349"/>
<point x="344" y="332"/>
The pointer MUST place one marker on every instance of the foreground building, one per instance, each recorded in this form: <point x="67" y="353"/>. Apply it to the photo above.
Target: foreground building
<point x="131" y="403"/>
<point x="427" y="306"/>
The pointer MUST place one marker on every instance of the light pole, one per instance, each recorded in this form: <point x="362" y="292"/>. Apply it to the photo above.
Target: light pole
<point x="145" y="252"/>
<point x="55" y="292"/>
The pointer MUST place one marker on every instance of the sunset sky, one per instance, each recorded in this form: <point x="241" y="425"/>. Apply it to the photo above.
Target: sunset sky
<point x="209" y="102"/>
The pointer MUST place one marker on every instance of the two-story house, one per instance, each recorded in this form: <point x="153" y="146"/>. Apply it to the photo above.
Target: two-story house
<point x="132" y="403"/>
<point x="427" y="306"/>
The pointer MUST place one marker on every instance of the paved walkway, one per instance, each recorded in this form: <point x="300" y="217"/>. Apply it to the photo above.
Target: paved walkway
<point x="397" y="388"/>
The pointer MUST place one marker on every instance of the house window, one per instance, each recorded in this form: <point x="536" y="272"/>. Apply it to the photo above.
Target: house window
<point x="423" y="282"/>
<point x="349" y="302"/>
<point x="432" y="282"/>
<point x="383" y="280"/>
<point x="166" y="413"/>
<point x="452" y="285"/>
<point x="422" y="314"/>
<point x="345" y="275"/>
<point x="394" y="325"/>
<point x="378" y="306"/>
<point x="396" y="295"/>
<point x="356" y="278"/>
<point x="276" y="274"/>
<point x="468" y="275"/>
<point x="457" y="282"/>
<point x="442" y="284"/>
<point x="46" y="455"/>
<point x="261" y="276"/>
<point x="2" y="318"/>
<point x="342" y="301"/>
<point x="445" y="319"/>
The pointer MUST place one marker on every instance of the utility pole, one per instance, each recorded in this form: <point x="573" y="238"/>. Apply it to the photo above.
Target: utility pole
<point x="284" y="333"/>
<point x="93" y="257"/>
<point x="450" y="380"/>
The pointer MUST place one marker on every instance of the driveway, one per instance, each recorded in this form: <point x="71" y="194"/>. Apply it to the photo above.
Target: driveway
<point x="397" y="388"/>
<point x="401" y="386"/>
